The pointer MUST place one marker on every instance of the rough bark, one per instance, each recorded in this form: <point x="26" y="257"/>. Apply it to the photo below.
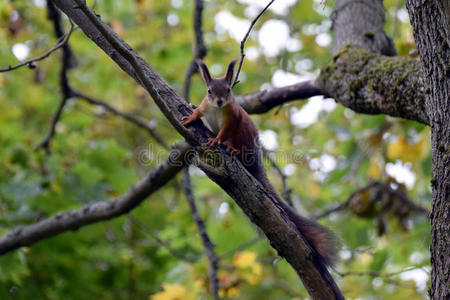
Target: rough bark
<point x="100" y="211"/>
<point x="430" y="21"/>
<point x="361" y="23"/>
<point x="237" y="182"/>
<point x="372" y="84"/>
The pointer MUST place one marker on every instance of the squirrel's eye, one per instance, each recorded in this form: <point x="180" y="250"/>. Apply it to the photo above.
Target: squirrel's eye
<point x="209" y="91"/>
<point x="229" y="90"/>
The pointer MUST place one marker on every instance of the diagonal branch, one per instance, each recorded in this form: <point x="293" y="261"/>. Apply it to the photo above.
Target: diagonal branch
<point x="100" y="211"/>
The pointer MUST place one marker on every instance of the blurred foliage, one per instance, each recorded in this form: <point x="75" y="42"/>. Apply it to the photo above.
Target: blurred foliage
<point x="155" y="252"/>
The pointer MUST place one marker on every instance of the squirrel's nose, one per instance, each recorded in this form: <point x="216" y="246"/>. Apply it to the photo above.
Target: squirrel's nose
<point x="219" y="103"/>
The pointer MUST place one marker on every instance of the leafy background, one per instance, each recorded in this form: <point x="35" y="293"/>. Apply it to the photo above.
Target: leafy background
<point x="155" y="251"/>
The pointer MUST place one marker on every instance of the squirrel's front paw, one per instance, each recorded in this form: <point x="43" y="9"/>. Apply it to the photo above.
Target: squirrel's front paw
<point x="185" y="120"/>
<point x="230" y="148"/>
<point x="212" y="141"/>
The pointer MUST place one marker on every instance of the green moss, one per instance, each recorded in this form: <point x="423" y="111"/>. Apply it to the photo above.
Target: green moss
<point x="358" y="68"/>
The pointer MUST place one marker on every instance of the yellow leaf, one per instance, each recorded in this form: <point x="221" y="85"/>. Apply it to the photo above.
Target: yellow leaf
<point x="374" y="170"/>
<point x="244" y="259"/>
<point x="255" y="274"/>
<point x="401" y="149"/>
<point x="232" y="292"/>
<point x="365" y="258"/>
<point x="173" y="292"/>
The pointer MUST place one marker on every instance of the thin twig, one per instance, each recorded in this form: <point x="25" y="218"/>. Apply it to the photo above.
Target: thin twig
<point x="330" y="210"/>
<point x="160" y="242"/>
<point x="207" y="244"/>
<point x="236" y="80"/>
<point x="45" y="143"/>
<point x="243" y="246"/>
<point x="135" y="120"/>
<point x="381" y="187"/>
<point x="377" y="273"/>
<point x="186" y="185"/>
<point x="68" y="92"/>
<point x="31" y="62"/>
<point x="68" y="62"/>
<point x="200" y="48"/>
<point x="286" y="190"/>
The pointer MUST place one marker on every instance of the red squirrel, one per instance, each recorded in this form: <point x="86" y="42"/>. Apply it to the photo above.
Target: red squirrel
<point x="236" y="130"/>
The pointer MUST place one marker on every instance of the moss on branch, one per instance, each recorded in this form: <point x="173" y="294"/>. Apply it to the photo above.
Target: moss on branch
<point x="371" y="83"/>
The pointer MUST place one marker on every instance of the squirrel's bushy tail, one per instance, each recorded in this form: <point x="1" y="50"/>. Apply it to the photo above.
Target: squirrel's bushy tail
<point x="322" y="240"/>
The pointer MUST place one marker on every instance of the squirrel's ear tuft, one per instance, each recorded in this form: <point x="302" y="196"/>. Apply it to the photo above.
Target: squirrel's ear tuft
<point x="230" y="71"/>
<point x="204" y="71"/>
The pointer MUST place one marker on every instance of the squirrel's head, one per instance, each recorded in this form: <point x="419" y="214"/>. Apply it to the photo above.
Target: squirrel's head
<point x="218" y="89"/>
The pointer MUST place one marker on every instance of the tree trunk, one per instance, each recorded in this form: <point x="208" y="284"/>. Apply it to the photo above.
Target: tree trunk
<point x="430" y="20"/>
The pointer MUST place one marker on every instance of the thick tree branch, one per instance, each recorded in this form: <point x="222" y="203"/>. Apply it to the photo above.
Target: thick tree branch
<point x="100" y="211"/>
<point x="263" y="101"/>
<point x="257" y="203"/>
<point x="373" y="84"/>
<point x="362" y="81"/>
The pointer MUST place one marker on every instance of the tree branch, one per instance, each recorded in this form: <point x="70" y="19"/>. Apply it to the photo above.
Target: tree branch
<point x="135" y="120"/>
<point x="236" y="79"/>
<point x="286" y="190"/>
<point x="100" y="211"/>
<point x="31" y="63"/>
<point x="263" y="101"/>
<point x="373" y="84"/>
<point x="200" y="49"/>
<point x="186" y="185"/>
<point x="207" y="244"/>
<point x="364" y="82"/>
<point x="67" y="62"/>
<point x="379" y="188"/>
